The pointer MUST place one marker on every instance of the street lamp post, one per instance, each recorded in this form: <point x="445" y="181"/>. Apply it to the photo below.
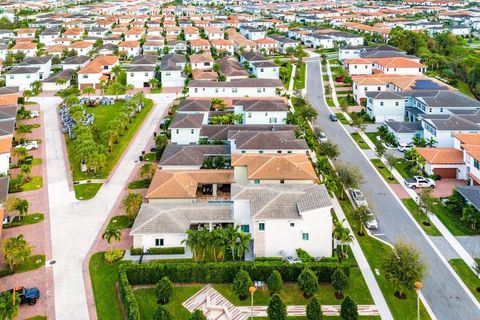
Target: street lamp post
<point x="418" y="287"/>
<point x="252" y="290"/>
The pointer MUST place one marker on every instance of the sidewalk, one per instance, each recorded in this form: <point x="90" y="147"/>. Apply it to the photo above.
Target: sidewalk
<point x="367" y="273"/>
<point x="292" y="78"/>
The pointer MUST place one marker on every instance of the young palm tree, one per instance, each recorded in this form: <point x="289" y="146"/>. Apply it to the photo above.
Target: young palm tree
<point x="192" y="242"/>
<point x="112" y="234"/>
<point x="219" y="243"/>
<point x="111" y="135"/>
<point x="36" y="86"/>
<point x="132" y="203"/>
<point x="27" y="94"/>
<point x="20" y="153"/>
<point x="232" y="236"/>
<point x="89" y="91"/>
<point x="342" y="234"/>
<point x="243" y="243"/>
<point x="205" y="241"/>
<point x="129" y="87"/>
<point x="25" y="171"/>
<point x="362" y="215"/>
<point x="116" y="70"/>
<point x="148" y="170"/>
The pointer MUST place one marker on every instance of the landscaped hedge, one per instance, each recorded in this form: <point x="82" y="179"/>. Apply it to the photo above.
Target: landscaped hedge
<point x="224" y="272"/>
<point x="169" y="250"/>
<point x="126" y="290"/>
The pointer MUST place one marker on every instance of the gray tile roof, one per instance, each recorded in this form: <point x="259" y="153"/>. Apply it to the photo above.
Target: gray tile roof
<point x="194" y="105"/>
<point x="190" y="155"/>
<point x="8" y="112"/>
<point x="384" y="95"/>
<point x="187" y="120"/>
<point x="35" y="60"/>
<point x="446" y="99"/>
<point x="141" y="68"/>
<point x="170" y="61"/>
<point x="231" y="68"/>
<point x="469" y="121"/>
<point x="8" y="90"/>
<point x="148" y="59"/>
<point x="76" y="60"/>
<point x="220" y="132"/>
<point x="23" y="70"/>
<point x="404" y="127"/>
<point x="64" y="74"/>
<point x="471" y="194"/>
<point x="268" y="140"/>
<point x="237" y="83"/>
<point x="254" y="56"/>
<point x="261" y="105"/>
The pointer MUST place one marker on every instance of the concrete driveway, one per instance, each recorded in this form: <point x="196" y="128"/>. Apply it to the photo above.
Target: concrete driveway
<point x="443" y="290"/>
<point x="74" y="223"/>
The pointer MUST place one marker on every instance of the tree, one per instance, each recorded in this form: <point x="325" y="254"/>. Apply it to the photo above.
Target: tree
<point x="89" y="91"/>
<point x="426" y="204"/>
<point x="9" y="305"/>
<point x="314" y="309"/>
<point x="164" y="290"/>
<point x="71" y="100"/>
<point x="348" y="309"/>
<point x="148" y="170"/>
<point x="129" y="87"/>
<point x="390" y="160"/>
<point x="20" y="153"/>
<point x="403" y="267"/>
<point x="243" y="243"/>
<point x="340" y="282"/>
<point x="16" y="250"/>
<point x="350" y="176"/>
<point x="241" y="283"/>
<point x="363" y="215"/>
<point x="218" y="242"/>
<point x="132" y="203"/>
<point x="27" y="94"/>
<point x="329" y="149"/>
<point x="380" y="150"/>
<point x="112" y="234"/>
<point x="231" y="234"/>
<point x="358" y="122"/>
<point x="111" y="136"/>
<point x="18" y="205"/>
<point x="36" y="86"/>
<point x="116" y="89"/>
<point x="162" y="313"/>
<point x="342" y="234"/>
<point x="197" y="314"/>
<point x="25" y="171"/>
<point x="300" y="53"/>
<point x="308" y="282"/>
<point x="470" y="216"/>
<point x="277" y="310"/>
<point x="116" y="70"/>
<point x="192" y="241"/>
<point x="275" y="282"/>
<point x="60" y="81"/>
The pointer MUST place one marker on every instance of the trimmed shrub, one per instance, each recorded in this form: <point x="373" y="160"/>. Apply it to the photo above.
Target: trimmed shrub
<point x="161" y="313"/>
<point x="169" y="250"/>
<point x="340" y="281"/>
<point x="164" y="290"/>
<point x="198" y="315"/>
<point x="268" y="259"/>
<point x="135" y="251"/>
<point x="314" y="309"/>
<point x="308" y="283"/>
<point x="241" y="283"/>
<point x="304" y="255"/>
<point x="113" y="255"/>
<point x="275" y="282"/>
<point x="277" y="310"/>
<point x="348" y="309"/>
<point x="128" y="297"/>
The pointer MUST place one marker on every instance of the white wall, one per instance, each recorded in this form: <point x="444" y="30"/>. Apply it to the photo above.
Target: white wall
<point x="172" y="79"/>
<point x="4" y="162"/>
<point x="185" y="136"/>
<point x="390" y="110"/>
<point x="265" y="117"/>
<point x="169" y="240"/>
<point x="139" y="78"/>
<point x="23" y="81"/>
<point x="354" y="69"/>
<point x="266" y="73"/>
<point x="231" y="92"/>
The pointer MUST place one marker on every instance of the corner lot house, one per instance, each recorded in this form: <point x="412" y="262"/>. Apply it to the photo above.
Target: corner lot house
<point x="171" y="69"/>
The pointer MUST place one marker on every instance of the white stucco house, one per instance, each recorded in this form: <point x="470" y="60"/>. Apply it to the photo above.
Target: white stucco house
<point x="139" y="75"/>
<point x="234" y="88"/>
<point x="22" y="77"/>
<point x="171" y="69"/>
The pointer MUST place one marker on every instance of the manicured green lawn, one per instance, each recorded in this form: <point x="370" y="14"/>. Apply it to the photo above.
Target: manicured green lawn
<point x="412" y="206"/>
<point x="150" y="156"/>
<point x="34" y="184"/>
<point x="120" y="222"/>
<point x="31" y="263"/>
<point x="375" y="251"/>
<point x="330" y="102"/>
<point x="359" y="140"/>
<point x="470" y="279"/>
<point x="104" y="278"/>
<point x="345" y="101"/>
<point x="147" y="302"/>
<point x="452" y="221"/>
<point x="373" y="137"/>
<point x="31" y="218"/>
<point x="342" y="118"/>
<point x="403" y="167"/>
<point x="103" y="116"/>
<point x="300" y="77"/>
<point x="289" y="67"/>
<point x="386" y="174"/>
<point x="37" y="318"/>
<point x="86" y="191"/>
<point x="139" y="184"/>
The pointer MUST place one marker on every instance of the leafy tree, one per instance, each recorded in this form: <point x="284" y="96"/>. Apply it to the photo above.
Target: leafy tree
<point x="148" y="170"/>
<point x="314" y="309"/>
<point x="277" y="310"/>
<point x="197" y="314"/>
<point x="161" y="142"/>
<point x="403" y="267"/>
<point x="192" y="241"/>
<point x="300" y="53"/>
<point x="219" y="243"/>
<point x="27" y="94"/>
<point x="60" y="81"/>
<point x="20" y="153"/>
<point x="380" y="150"/>
<point x="89" y="91"/>
<point x="18" y="205"/>
<point x="164" y="290"/>
<point x="16" y="250"/>
<point x="471" y="216"/>
<point x="275" y="282"/>
<point x="390" y="160"/>
<point x="111" y="136"/>
<point x="308" y="282"/>
<point x="350" y="176"/>
<point x="340" y="281"/>
<point x="329" y="149"/>
<point x="342" y="234"/>
<point x="162" y="313"/>
<point x="116" y="89"/>
<point x="132" y="203"/>
<point x="362" y="215"/>
<point x="426" y="203"/>
<point x="9" y="305"/>
<point x="348" y="309"/>
<point x="241" y="283"/>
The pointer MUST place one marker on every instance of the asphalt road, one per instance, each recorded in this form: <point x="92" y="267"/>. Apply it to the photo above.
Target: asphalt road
<point x="443" y="292"/>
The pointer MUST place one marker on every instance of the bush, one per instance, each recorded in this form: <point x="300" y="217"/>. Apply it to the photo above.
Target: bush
<point x="314" y="309"/>
<point x="198" y="315"/>
<point x="348" y="309"/>
<point x="135" y="251"/>
<point x="164" y="290"/>
<point x="304" y="255"/>
<point x="268" y="259"/>
<point x="308" y="282"/>
<point x="275" y="282"/>
<point x="276" y="310"/>
<point x="128" y="297"/>
<point x="161" y="313"/>
<point x="241" y="283"/>
<point x="113" y="255"/>
<point x="168" y="250"/>
<point x="340" y="281"/>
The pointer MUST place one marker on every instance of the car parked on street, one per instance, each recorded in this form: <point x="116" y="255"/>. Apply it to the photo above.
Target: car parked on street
<point x="322" y="137"/>
<point x="29" y="145"/>
<point x="358" y="197"/>
<point x="333" y="118"/>
<point x="34" y="114"/>
<point x="372" y="223"/>
<point x="402" y="147"/>
<point x="420" y="182"/>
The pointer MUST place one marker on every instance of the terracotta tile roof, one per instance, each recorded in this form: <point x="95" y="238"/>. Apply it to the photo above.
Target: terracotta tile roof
<point x="24" y="46"/>
<point x="222" y="42"/>
<point x="468" y="138"/>
<point x="399" y="62"/>
<point x="5" y="144"/>
<point x="74" y="31"/>
<point x="441" y="155"/>
<point x="82" y="44"/>
<point x="129" y="44"/>
<point x="276" y="166"/>
<point x="199" y="42"/>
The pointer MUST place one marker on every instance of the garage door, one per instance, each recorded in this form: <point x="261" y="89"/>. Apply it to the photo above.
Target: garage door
<point x="446" y="173"/>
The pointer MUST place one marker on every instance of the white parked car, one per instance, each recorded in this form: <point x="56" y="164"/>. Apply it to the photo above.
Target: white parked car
<point x="402" y="147"/>
<point x="34" y="114"/>
<point x="358" y="197"/>
<point x="30" y="145"/>
<point x="420" y="182"/>
<point x="372" y="223"/>
<point x="322" y="137"/>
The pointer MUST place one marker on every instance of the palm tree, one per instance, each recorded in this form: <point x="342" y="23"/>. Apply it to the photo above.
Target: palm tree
<point x="22" y="131"/>
<point x="342" y="234"/>
<point x="192" y="242"/>
<point x="89" y="91"/>
<point x="112" y="234"/>
<point x="218" y="243"/>
<point x="243" y="243"/>
<point x="60" y="81"/>
<point x="132" y="203"/>
<point x="36" y="86"/>
<point x="148" y="170"/>
<point x="25" y="171"/>
<point x="9" y="305"/>
<point x="20" y="153"/>
<point x="129" y="87"/>
<point x="204" y="240"/>
<point x="232" y="237"/>
<point x="103" y="87"/>
<point x="362" y="215"/>
<point x="153" y="83"/>
<point x="111" y="135"/>
<point x="71" y="100"/>
<point x="27" y="94"/>
<point x="116" y="70"/>
<point x="18" y="205"/>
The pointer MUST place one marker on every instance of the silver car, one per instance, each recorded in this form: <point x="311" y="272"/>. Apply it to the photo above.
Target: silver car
<point x="372" y="223"/>
<point x="358" y="197"/>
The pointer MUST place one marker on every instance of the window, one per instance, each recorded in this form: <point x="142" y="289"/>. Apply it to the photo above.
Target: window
<point x="292" y="224"/>
<point x="146" y="74"/>
<point x="476" y="163"/>
<point x="256" y="181"/>
<point x="159" y="242"/>
<point x="305" y="236"/>
<point x="192" y="131"/>
<point x="260" y="151"/>
<point x="28" y="76"/>
<point x="105" y="67"/>
<point x="365" y="88"/>
<point x="195" y="90"/>
<point x="381" y="103"/>
<point x="355" y="67"/>
<point x="249" y="114"/>
<point x="234" y="90"/>
<point x="245" y="228"/>
<point x="273" y="120"/>
<point x="259" y="90"/>
<point x="11" y="77"/>
<point x="243" y="151"/>
<point x="378" y="88"/>
<point x="261" y="226"/>
<point x="261" y="69"/>
<point x="177" y="131"/>
<point x="282" y="181"/>
<point x="131" y="75"/>
<point x="396" y="103"/>
<point x="85" y="76"/>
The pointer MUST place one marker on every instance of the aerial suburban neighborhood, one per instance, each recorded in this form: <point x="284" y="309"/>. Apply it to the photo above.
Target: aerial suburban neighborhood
<point x="239" y="159"/>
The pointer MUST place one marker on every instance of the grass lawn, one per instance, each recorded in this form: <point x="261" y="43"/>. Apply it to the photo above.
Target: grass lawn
<point x="330" y="102"/>
<point x="412" y="206"/>
<point x="31" y="263"/>
<point x="468" y="277"/>
<point x="359" y="140"/>
<point x="35" y="183"/>
<point x="37" y="318"/>
<point x="31" y="218"/>
<point x="300" y="77"/>
<point x="325" y="76"/>
<point x="289" y="67"/>
<point x="375" y="251"/>
<point x="452" y="221"/>
<point x="36" y="161"/>
<point x="120" y="222"/>
<point x="150" y="156"/>
<point x="373" y="137"/>
<point x="403" y="167"/>
<point x="147" y="302"/>
<point x="345" y="101"/>
<point x="139" y="184"/>
<point x="86" y="191"/>
<point x="333" y="61"/>
<point x="342" y="118"/>
<point x="104" y="278"/>
<point x="339" y="92"/>
<point x="463" y="88"/>
<point x="103" y="116"/>
<point x="382" y="168"/>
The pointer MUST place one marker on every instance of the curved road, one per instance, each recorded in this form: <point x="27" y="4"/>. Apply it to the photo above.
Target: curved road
<point x="444" y="293"/>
